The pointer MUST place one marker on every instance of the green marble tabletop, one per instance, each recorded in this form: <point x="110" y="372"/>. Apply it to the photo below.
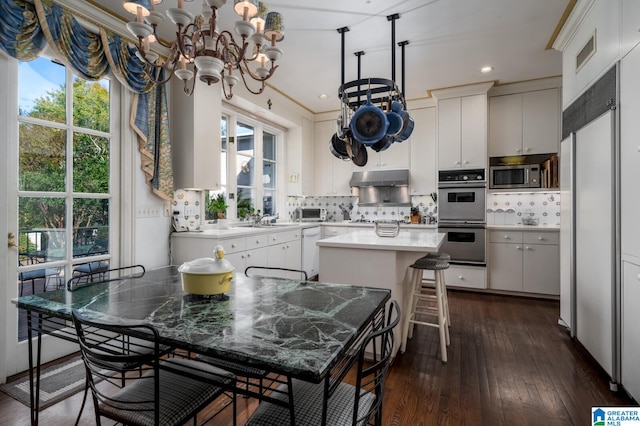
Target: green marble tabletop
<point x="292" y="327"/>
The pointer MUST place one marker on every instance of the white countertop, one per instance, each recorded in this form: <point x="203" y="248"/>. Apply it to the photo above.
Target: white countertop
<point x="241" y="231"/>
<point x="372" y="224"/>
<point x="523" y="227"/>
<point x="367" y="239"/>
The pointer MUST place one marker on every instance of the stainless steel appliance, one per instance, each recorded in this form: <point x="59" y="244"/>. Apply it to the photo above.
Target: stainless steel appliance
<point x="462" y="215"/>
<point x="514" y="176"/>
<point x="465" y="245"/>
<point x="311" y="214"/>
<point x="381" y="187"/>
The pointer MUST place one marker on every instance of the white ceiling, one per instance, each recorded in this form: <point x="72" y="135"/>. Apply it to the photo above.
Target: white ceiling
<point x="449" y="41"/>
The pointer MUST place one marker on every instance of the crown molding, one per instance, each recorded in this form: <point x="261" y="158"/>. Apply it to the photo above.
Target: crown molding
<point x="573" y="22"/>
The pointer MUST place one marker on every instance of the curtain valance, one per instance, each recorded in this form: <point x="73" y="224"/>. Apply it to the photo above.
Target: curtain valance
<point x="27" y="27"/>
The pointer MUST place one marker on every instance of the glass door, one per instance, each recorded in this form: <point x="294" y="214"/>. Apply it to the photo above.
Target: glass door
<point x="61" y="146"/>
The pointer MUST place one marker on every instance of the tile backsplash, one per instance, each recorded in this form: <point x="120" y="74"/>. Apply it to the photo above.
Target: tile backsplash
<point x="341" y="208"/>
<point x="503" y="208"/>
<point x="512" y="207"/>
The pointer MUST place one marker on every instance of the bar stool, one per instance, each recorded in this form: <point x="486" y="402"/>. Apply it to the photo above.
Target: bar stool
<point x="431" y="281"/>
<point x="424" y="302"/>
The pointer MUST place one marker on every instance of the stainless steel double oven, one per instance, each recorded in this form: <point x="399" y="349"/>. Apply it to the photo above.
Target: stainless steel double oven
<point x="462" y="215"/>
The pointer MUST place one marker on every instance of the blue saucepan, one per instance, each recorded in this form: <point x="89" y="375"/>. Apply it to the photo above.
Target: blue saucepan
<point x="369" y="123"/>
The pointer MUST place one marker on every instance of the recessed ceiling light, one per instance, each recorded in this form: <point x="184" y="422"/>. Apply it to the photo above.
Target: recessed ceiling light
<point x="486" y="69"/>
<point x="323" y="96"/>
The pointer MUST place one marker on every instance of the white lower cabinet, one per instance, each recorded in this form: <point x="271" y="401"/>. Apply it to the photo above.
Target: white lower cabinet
<point x="285" y="251"/>
<point x="630" y="335"/>
<point x="332" y="231"/>
<point x="246" y="251"/>
<point x="466" y="276"/>
<point x="524" y="261"/>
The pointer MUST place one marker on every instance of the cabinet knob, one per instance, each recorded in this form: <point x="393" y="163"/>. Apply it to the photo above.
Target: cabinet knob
<point x="518" y="150"/>
<point x="248" y="254"/>
<point x="518" y="248"/>
<point x="257" y="241"/>
<point x="638" y="277"/>
<point x="527" y="149"/>
<point x="466" y="162"/>
<point x="506" y="237"/>
<point x="233" y="246"/>
<point x="540" y="238"/>
<point x="527" y="248"/>
<point x="283" y="247"/>
<point x="460" y="277"/>
<point x="457" y="163"/>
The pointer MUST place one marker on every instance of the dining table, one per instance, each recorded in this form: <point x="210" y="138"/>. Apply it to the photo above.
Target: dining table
<point x="291" y="328"/>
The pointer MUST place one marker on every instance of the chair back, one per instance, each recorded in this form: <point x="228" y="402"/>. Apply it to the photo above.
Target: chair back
<point x="274" y="271"/>
<point x="109" y="351"/>
<point x="371" y="372"/>
<point x="114" y="274"/>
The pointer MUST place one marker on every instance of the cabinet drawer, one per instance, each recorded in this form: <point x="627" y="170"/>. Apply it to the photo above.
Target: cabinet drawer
<point x="466" y="276"/>
<point x="505" y="236"/>
<point x="332" y="231"/>
<point x="232" y="245"/>
<point x="541" y="237"/>
<point x="257" y="241"/>
<point x="283" y="236"/>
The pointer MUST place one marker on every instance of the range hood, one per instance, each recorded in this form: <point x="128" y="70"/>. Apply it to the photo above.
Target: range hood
<point x="381" y="187"/>
<point x="378" y="178"/>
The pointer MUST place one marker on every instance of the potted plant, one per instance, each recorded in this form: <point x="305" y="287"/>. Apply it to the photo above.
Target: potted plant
<point x="217" y="207"/>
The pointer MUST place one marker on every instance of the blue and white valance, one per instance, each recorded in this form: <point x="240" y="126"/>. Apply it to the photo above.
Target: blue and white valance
<point x="28" y="26"/>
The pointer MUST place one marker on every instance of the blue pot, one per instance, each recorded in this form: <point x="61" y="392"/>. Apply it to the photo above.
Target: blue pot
<point x="369" y="123"/>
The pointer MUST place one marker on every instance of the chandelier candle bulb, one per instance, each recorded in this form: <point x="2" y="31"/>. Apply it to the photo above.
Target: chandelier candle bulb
<point x="214" y="54"/>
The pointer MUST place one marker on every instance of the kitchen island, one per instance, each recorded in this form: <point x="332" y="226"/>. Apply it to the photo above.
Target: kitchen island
<point x="364" y="258"/>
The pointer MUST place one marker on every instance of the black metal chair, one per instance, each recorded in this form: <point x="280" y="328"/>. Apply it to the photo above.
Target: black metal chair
<point x="303" y="274"/>
<point x="90" y="269"/>
<point x="345" y="404"/>
<point x="105" y="275"/>
<point x="168" y="392"/>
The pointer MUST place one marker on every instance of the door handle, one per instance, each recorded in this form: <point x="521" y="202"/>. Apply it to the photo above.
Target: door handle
<point x="11" y="240"/>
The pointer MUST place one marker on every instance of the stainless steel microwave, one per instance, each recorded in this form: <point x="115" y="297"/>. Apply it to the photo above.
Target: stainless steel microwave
<point x="311" y="214"/>
<point x="514" y="176"/>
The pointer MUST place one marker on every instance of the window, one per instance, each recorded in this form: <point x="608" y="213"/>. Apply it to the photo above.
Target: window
<point x="268" y="173"/>
<point x="255" y="145"/>
<point x="245" y="167"/>
<point x="64" y="168"/>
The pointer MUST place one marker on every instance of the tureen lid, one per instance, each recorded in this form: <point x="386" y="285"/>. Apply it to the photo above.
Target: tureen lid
<point x="207" y="265"/>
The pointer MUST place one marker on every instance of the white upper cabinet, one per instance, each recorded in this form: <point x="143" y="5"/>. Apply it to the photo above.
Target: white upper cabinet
<point x="524" y="123"/>
<point x="196" y="137"/>
<point x="394" y="157"/>
<point x="630" y="26"/>
<point x="590" y="44"/>
<point x="462" y="132"/>
<point x="449" y="135"/>
<point x="332" y="175"/>
<point x="423" y="168"/>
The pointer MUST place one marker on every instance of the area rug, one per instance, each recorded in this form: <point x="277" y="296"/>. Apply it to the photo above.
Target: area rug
<point x="56" y="383"/>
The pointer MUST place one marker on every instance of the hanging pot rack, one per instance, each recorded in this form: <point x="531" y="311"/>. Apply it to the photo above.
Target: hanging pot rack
<point x="382" y="90"/>
<point x="361" y="123"/>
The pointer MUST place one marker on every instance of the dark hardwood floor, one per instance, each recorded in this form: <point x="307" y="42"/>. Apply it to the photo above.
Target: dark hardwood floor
<point x="509" y="364"/>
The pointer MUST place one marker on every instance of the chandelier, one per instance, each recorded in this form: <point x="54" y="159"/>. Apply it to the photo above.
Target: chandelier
<point x="200" y="49"/>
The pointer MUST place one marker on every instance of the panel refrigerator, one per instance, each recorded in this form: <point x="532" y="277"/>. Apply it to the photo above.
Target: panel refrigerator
<point x="587" y="238"/>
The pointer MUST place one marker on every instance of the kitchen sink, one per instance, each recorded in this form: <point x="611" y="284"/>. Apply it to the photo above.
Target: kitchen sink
<point x="275" y="225"/>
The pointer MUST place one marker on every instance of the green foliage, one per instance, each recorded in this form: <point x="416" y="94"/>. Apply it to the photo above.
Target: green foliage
<point x="43" y="157"/>
<point x="217" y="206"/>
<point x="245" y="208"/>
